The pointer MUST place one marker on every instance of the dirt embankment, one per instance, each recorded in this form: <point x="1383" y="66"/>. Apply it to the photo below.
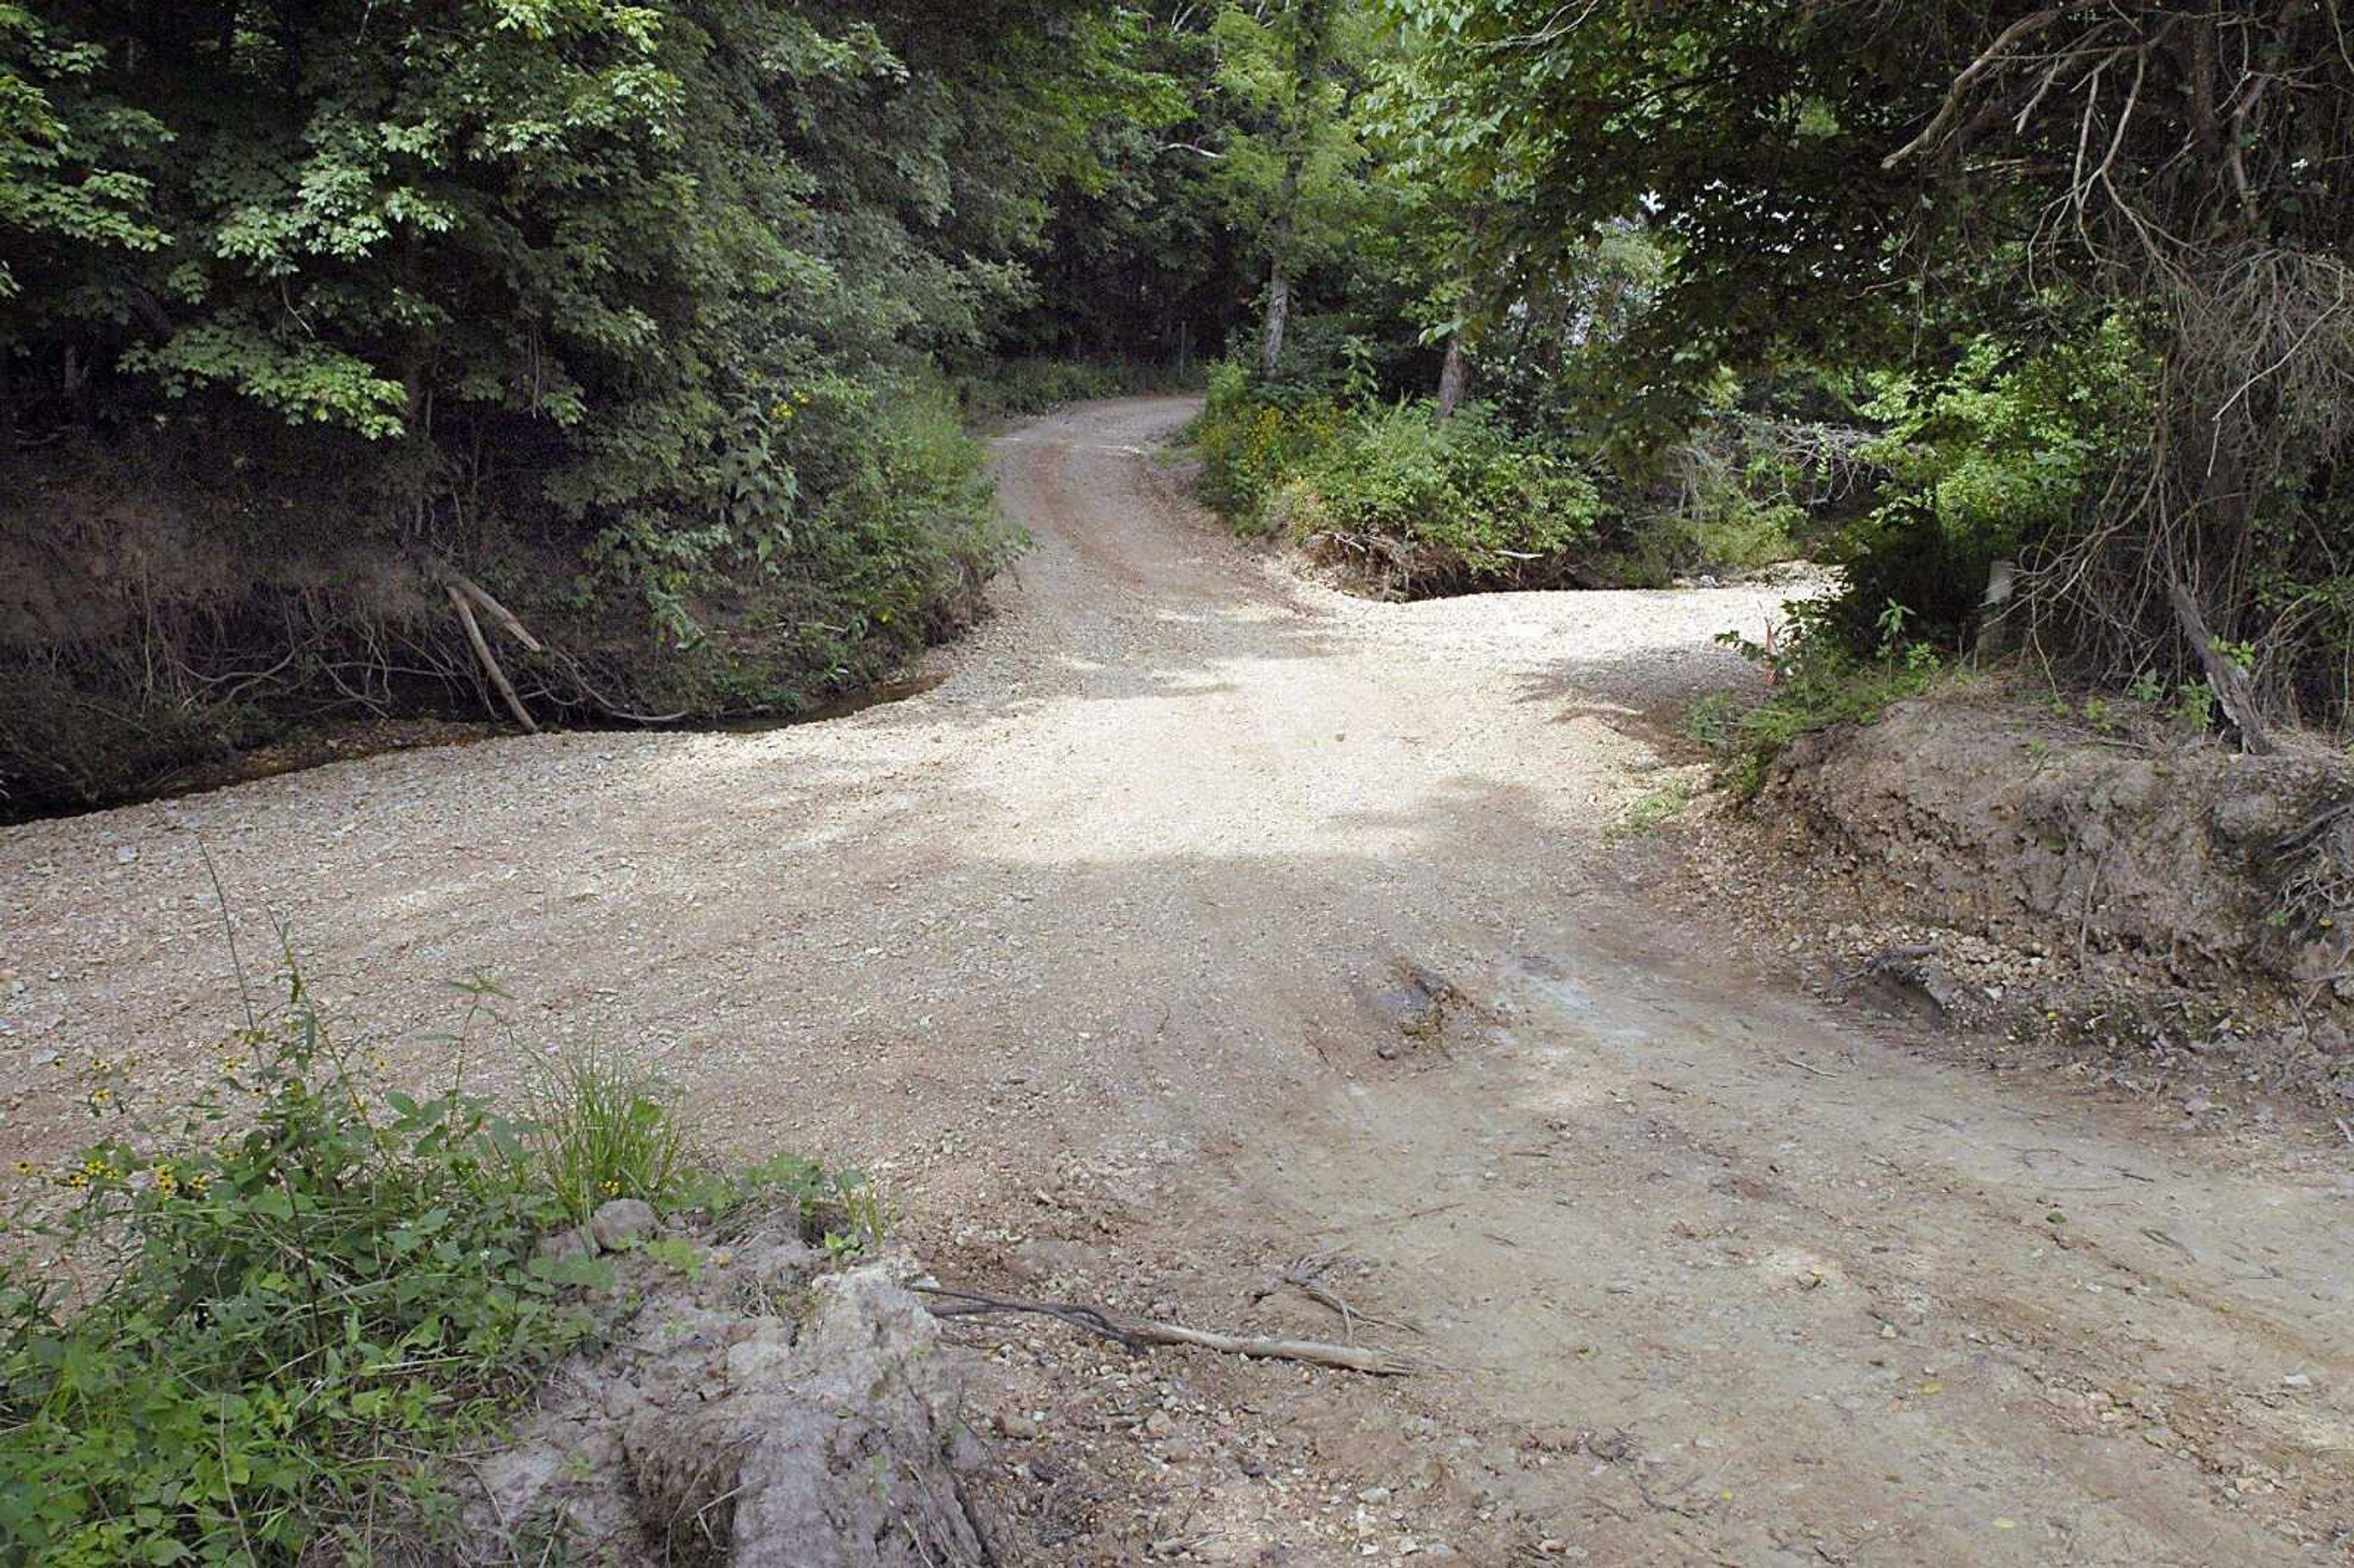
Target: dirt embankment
<point x="2058" y="873"/>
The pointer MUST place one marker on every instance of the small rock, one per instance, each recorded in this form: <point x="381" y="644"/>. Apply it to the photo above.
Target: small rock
<point x="1371" y="1496"/>
<point x="1016" y="1426"/>
<point x="558" y="1246"/>
<point x="1157" y="1424"/>
<point x="2296" y="1380"/>
<point x="125" y="855"/>
<point x="623" y="1222"/>
<point x="1610" y="1445"/>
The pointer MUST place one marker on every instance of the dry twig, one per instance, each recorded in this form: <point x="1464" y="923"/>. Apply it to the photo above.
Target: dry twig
<point x="1139" y="1333"/>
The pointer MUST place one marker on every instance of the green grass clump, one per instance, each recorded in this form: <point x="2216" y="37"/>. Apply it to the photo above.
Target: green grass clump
<point x="596" y="1128"/>
<point x="1655" y="808"/>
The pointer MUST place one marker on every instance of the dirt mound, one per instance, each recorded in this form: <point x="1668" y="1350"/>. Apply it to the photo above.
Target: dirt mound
<point x="751" y="1410"/>
<point x="2157" y="911"/>
<point x="1992" y="820"/>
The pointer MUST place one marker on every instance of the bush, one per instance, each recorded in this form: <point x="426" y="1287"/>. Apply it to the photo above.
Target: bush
<point x="1818" y="681"/>
<point x="311" y="1291"/>
<point x="1037" y="386"/>
<point x="1250" y="443"/>
<point x="1427" y="505"/>
<point x="1442" y="506"/>
<point x="2002" y="456"/>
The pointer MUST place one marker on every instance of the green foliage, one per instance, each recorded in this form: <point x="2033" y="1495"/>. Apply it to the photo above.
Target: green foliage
<point x="891" y="555"/>
<point x="1443" y="505"/>
<point x="1654" y="809"/>
<point x="320" y="1285"/>
<point x="1428" y="505"/>
<point x="597" y="1127"/>
<point x="1819" y="681"/>
<point x="614" y="305"/>
<point x="2003" y="456"/>
<point x="69" y="183"/>
<point x="309" y="1290"/>
<point x="1033" y="384"/>
<point x="2121" y="367"/>
<point x="1250" y="442"/>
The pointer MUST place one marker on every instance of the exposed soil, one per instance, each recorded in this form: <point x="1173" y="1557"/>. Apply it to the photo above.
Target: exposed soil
<point x="2122" y="900"/>
<point x="1203" y="919"/>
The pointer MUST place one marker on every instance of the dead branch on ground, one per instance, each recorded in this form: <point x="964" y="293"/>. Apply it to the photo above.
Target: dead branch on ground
<point x="1141" y="1333"/>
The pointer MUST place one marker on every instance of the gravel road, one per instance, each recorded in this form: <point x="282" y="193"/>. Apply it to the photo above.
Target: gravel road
<point x="1099" y="951"/>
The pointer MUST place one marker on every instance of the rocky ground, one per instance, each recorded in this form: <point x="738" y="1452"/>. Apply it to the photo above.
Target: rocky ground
<point x="1204" y="927"/>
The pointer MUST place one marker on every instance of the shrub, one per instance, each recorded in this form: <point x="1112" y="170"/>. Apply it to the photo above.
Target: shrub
<point x="1818" y="681"/>
<point x="1427" y="505"/>
<point x="1249" y="444"/>
<point x="1445" y="505"/>
<point x="308" y="1292"/>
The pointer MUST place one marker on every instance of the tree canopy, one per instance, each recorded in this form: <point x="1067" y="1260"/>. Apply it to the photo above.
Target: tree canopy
<point x="641" y="323"/>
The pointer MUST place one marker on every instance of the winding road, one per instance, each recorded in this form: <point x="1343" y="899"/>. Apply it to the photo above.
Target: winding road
<point x="1110" y="941"/>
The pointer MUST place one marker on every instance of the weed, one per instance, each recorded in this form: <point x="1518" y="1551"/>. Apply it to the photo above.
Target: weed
<point x="1656" y="809"/>
<point x="1817" y="684"/>
<point x="2194" y="707"/>
<point x="308" y="1290"/>
<point x="314" y="1285"/>
<point x="596" y="1128"/>
<point x="1711" y="722"/>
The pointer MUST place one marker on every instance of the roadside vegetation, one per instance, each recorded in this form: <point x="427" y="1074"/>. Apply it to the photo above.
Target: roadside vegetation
<point x="1034" y="384"/>
<point x="264" y="1326"/>
<point x="610" y="364"/>
<point x="2050" y="302"/>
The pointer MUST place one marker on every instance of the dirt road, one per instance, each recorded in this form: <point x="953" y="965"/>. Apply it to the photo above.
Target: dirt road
<point x="1102" y="952"/>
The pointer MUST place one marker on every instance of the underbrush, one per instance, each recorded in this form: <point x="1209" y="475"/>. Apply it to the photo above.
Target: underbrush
<point x="1038" y="385"/>
<point x="1419" y="504"/>
<point x="1816" y="682"/>
<point x="159" y="623"/>
<point x="1819" y="682"/>
<point x="304" y="1294"/>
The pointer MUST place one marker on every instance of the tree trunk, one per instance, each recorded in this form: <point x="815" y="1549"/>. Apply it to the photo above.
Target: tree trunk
<point x="1453" y="376"/>
<point x="1454" y="373"/>
<point x="1278" y="312"/>
<point x="1307" y="69"/>
<point x="2225" y="677"/>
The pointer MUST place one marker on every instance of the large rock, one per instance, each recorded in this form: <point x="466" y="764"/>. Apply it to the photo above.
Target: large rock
<point x="748" y="1411"/>
<point x="836" y="1455"/>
